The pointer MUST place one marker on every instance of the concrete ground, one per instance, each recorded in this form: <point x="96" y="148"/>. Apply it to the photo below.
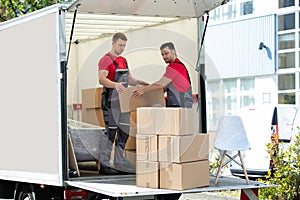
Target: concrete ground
<point x="207" y="196"/>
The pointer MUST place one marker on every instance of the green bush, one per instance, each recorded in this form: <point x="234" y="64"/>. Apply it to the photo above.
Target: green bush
<point x="285" y="174"/>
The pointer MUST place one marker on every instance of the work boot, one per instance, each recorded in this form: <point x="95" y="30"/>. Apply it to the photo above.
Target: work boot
<point x="104" y="170"/>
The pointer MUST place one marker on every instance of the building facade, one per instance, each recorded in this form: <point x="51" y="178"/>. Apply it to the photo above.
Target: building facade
<point x="252" y="56"/>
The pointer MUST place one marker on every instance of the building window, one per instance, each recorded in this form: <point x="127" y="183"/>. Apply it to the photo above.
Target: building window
<point x="247" y="100"/>
<point x="299" y="61"/>
<point x="246" y="8"/>
<point x="286" y="81"/>
<point x="215" y="14"/>
<point x="286" y="22"/>
<point x="286" y="3"/>
<point x="286" y="41"/>
<point x="229" y="11"/>
<point x="287" y="98"/>
<point x="230" y="85"/>
<point x="286" y="60"/>
<point x="231" y="102"/>
<point x="299" y="38"/>
<point x="247" y="84"/>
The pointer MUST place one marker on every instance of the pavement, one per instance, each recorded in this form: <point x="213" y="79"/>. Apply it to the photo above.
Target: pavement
<point x="207" y="196"/>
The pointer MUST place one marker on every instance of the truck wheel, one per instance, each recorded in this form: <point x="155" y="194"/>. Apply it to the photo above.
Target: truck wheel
<point x="25" y="192"/>
<point x="26" y="196"/>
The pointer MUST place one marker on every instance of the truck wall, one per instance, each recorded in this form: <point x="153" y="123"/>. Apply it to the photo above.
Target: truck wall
<point x="30" y="147"/>
<point x="142" y="52"/>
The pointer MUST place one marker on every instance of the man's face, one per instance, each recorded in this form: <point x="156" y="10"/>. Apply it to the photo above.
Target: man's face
<point x="119" y="46"/>
<point x="168" y="55"/>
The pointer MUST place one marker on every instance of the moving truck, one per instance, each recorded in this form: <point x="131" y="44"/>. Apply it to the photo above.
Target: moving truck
<point x="49" y="56"/>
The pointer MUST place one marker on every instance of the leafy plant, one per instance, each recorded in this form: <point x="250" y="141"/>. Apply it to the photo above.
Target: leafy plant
<point x="14" y="8"/>
<point x="285" y="173"/>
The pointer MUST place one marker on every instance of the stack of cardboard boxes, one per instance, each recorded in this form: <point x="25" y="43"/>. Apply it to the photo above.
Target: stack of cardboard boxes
<point x="92" y="112"/>
<point x="91" y="106"/>
<point x="130" y="147"/>
<point x="169" y="154"/>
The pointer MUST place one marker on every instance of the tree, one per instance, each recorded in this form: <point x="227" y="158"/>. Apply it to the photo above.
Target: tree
<point x="14" y="8"/>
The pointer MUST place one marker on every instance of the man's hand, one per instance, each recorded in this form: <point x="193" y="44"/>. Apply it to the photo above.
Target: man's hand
<point x="120" y="87"/>
<point x="138" y="92"/>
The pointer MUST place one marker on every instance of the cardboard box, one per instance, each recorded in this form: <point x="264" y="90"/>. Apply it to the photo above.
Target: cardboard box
<point x="91" y="97"/>
<point x="146" y="147"/>
<point x="184" y="175"/>
<point x="174" y="121"/>
<point x="130" y="103"/>
<point x="131" y="157"/>
<point x="147" y="174"/>
<point x="93" y="116"/>
<point x="131" y="143"/>
<point x="165" y="121"/>
<point x="145" y="121"/>
<point x="133" y="117"/>
<point x="185" y="148"/>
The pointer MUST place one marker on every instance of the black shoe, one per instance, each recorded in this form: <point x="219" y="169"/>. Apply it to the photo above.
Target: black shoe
<point x="107" y="171"/>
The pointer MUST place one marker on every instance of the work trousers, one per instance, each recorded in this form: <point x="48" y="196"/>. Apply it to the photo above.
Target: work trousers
<point x="116" y="132"/>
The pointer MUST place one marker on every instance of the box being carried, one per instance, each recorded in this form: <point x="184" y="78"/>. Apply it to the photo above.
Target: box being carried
<point x="130" y="103"/>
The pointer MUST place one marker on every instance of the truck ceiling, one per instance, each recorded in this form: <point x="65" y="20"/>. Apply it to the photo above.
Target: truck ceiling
<point x="101" y="18"/>
<point x="170" y="8"/>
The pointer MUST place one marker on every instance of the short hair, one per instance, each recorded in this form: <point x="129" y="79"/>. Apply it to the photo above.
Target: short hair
<point x="119" y="35"/>
<point x="170" y="45"/>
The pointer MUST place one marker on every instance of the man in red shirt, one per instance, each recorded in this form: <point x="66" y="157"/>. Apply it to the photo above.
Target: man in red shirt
<point x="114" y="75"/>
<point x="175" y="81"/>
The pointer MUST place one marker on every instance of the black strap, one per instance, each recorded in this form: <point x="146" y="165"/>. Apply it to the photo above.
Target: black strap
<point x="187" y="73"/>
<point x="114" y="61"/>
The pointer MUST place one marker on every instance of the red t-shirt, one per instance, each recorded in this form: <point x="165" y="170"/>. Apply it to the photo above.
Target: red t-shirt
<point x="178" y="74"/>
<point x="106" y="63"/>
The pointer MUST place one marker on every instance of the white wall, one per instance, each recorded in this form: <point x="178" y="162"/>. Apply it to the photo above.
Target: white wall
<point x="142" y="53"/>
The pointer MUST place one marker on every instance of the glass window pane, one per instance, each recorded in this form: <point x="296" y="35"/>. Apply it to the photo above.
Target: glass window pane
<point x="230" y="103"/>
<point x="287" y="98"/>
<point x="299" y="35"/>
<point x="246" y="8"/>
<point x="247" y="100"/>
<point x="213" y="86"/>
<point x="286" y="60"/>
<point x="286" y="81"/>
<point x="230" y="85"/>
<point x="299" y="80"/>
<point x="247" y="84"/>
<point x="286" y="41"/>
<point x="215" y="14"/>
<point x="286" y="22"/>
<point x="229" y="11"/>
<point x="286" y="3"/>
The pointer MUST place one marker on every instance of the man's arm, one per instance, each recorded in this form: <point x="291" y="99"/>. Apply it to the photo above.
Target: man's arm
<point x="103" y="80"/>
<point x="161" y="83"/>
<point x="133" y="82"/>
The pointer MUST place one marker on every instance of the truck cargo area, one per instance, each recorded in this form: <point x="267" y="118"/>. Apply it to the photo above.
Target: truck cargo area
<point x="58" y="124"/>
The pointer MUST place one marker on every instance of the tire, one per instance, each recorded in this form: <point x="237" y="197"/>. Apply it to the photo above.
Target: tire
<point x="26" y="196"/>
<point x="25" y="192"/>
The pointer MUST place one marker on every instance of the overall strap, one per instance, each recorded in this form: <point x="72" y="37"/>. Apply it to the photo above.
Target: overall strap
<point x="187" y="73"/>
<point x="114" y="61"/>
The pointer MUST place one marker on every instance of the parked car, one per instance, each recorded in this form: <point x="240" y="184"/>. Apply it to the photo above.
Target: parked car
<point x="263" y="124"/>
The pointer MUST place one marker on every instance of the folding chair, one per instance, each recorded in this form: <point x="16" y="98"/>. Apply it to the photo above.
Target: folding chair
<point x="231" y="137"/>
